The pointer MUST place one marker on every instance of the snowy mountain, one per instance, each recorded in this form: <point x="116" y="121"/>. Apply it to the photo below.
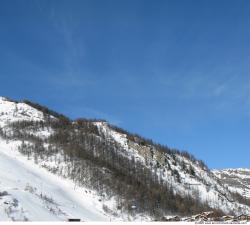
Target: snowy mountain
<point x="91" y="170"/>
<point x="237" y="180"/>
<point x="31" y="193"/>
<point x="11" y="111"/>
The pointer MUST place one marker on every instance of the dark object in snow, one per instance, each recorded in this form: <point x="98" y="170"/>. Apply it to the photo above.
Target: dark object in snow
<point x="74" y="220"/>
<point x="4" y="193"/>
<point x="15" y="202"/>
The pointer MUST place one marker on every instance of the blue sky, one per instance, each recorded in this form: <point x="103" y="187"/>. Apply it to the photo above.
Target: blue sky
<point x="173" y="71"/>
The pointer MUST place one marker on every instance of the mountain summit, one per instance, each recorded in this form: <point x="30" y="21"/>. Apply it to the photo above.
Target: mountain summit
<point x="11" y="111"/>
<point x="91" y="170"/>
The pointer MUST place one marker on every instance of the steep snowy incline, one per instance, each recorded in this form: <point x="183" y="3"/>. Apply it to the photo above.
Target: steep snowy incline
<point x="200" y="184"/>
<point x="28" y="192"/>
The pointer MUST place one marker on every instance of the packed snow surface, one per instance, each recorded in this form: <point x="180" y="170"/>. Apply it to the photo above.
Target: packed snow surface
<point x="31" y="193"/>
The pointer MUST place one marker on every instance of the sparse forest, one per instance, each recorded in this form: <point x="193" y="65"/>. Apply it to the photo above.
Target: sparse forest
<point x="83" y="154"/>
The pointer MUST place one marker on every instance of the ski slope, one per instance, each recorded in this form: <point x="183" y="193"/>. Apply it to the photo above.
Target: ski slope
<point x="37" y="195"/>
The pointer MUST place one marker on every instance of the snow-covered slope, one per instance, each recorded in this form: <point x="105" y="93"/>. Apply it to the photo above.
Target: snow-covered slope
<point x="11" y="111"/>
<point x="31" y="193"/>
<point x="28" y="188"/>
<point x="237" y="180"/>
<point x="200" y="183"/>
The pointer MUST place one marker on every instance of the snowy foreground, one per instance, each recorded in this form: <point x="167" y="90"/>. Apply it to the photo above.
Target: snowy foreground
<point x="30" y="193"/>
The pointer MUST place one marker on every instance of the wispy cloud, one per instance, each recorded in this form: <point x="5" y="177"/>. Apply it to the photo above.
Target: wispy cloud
<point x="72" y="72"/>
